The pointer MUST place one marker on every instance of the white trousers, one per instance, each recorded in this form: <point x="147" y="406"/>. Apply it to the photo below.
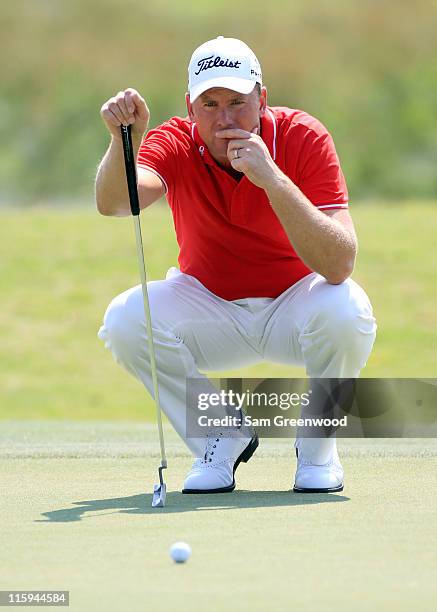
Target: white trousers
<point x="329" y="329"/>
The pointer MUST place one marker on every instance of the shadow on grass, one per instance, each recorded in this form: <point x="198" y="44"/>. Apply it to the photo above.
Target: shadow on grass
<point x="177" y="502"/>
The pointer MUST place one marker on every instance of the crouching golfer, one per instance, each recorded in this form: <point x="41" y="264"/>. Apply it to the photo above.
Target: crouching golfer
<point x="267" y="246"/>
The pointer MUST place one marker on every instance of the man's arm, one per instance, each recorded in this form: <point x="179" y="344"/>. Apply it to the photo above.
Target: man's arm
<point x="112" y="198"/>
<point x="326" y="243"/>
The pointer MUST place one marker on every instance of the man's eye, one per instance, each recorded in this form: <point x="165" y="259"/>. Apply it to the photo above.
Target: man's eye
<point x="209" y="104"/>
<point x="237" y="101"/>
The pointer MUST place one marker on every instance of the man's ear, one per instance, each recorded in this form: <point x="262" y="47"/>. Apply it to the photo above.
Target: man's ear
<point x="189" y="106"/>
<point x="262" y="101"/>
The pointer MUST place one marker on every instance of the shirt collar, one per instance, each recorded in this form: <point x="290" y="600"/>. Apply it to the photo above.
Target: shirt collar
<point x="268" y="134"/>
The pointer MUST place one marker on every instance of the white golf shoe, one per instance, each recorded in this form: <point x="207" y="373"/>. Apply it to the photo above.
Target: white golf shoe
<point x="318" y="466"/>
<point x="215" y="471"/>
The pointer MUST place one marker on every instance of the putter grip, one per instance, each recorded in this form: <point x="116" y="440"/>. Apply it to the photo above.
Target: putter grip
<point x="131" y="174"/>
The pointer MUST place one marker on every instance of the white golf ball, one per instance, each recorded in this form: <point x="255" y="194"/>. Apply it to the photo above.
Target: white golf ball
<point x="180" y="552"/>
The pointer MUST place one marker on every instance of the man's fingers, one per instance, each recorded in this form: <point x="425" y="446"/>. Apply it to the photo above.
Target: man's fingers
<point x="237" y="133"/>
<point x="126" y="108"/>
<point x="109" y="117"/>
<point x="142" y="112"/>
<point x="141" y="109"/>
<point x="238" y="144"/>
<point x="233" y="134"/>
<point x="238" y="149"/>
<point x="240" y="156"/>
<point x="136" y="104"/>
<point x="237" y="164"/>
<point x="131" y="97"/>
<point x="115" y="109"/>
<point x="122" y="105"/>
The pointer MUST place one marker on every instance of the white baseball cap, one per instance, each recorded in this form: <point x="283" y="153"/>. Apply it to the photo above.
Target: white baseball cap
<point x="223" y="62"/>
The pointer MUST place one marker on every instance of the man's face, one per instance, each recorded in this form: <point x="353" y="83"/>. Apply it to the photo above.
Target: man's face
<point x="220" y="109"/>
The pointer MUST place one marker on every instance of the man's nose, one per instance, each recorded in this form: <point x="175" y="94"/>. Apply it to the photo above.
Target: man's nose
<point x="224" y="119"/>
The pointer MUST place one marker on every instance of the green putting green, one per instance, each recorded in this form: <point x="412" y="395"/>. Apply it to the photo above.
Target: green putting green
<point x="76" y="515"/>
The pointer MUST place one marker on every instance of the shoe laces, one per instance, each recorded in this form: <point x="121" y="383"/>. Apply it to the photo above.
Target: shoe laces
<point x="211" y="444"/>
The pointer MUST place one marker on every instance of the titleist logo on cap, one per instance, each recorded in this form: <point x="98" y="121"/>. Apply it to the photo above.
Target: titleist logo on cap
<point x="207" y="62"/>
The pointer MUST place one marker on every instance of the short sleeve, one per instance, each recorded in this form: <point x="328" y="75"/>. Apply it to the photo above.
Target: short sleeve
<point x="320" y="176"/>
<point x="158" y="153"/>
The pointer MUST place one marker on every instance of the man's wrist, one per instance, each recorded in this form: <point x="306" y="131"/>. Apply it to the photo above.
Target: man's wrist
<point x="136" y="141"/>
<point x="137" y="137"/>
<point x="279" y="185"/>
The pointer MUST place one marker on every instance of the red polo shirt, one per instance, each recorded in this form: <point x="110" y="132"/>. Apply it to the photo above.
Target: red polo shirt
<point x="229" y="237"/>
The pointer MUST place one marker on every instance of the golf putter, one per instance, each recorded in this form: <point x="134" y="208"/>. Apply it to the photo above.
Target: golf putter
<point x="159" y="490"/>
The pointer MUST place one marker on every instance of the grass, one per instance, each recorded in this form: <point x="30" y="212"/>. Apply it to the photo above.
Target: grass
<point x="61" y="267"/>
<point x="81" y="520"/>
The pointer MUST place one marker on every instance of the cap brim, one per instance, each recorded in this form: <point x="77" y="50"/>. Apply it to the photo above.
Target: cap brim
<point x="244" y="86"/>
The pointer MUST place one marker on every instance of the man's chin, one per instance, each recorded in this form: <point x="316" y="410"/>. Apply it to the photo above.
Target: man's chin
<point x="222" y="159"/>
<point x="225" y="163"/>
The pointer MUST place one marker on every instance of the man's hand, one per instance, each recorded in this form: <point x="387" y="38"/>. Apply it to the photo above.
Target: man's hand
<point x="127" y="108"/>
<point x="254" y="158"/>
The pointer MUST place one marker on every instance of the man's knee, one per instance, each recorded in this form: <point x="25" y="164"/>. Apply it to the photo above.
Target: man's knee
<point x="124" y="328"/>
<point x="345" y="315"/>
<point x="353" y="326"/>
<point x="122" y="322"/>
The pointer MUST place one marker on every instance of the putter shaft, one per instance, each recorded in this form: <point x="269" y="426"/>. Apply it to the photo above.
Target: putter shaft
<point x="131" y="177"/>
<point x="142" y="269"/>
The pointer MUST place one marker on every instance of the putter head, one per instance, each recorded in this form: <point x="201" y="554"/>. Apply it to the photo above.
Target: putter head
<point x="159" y="493"/>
